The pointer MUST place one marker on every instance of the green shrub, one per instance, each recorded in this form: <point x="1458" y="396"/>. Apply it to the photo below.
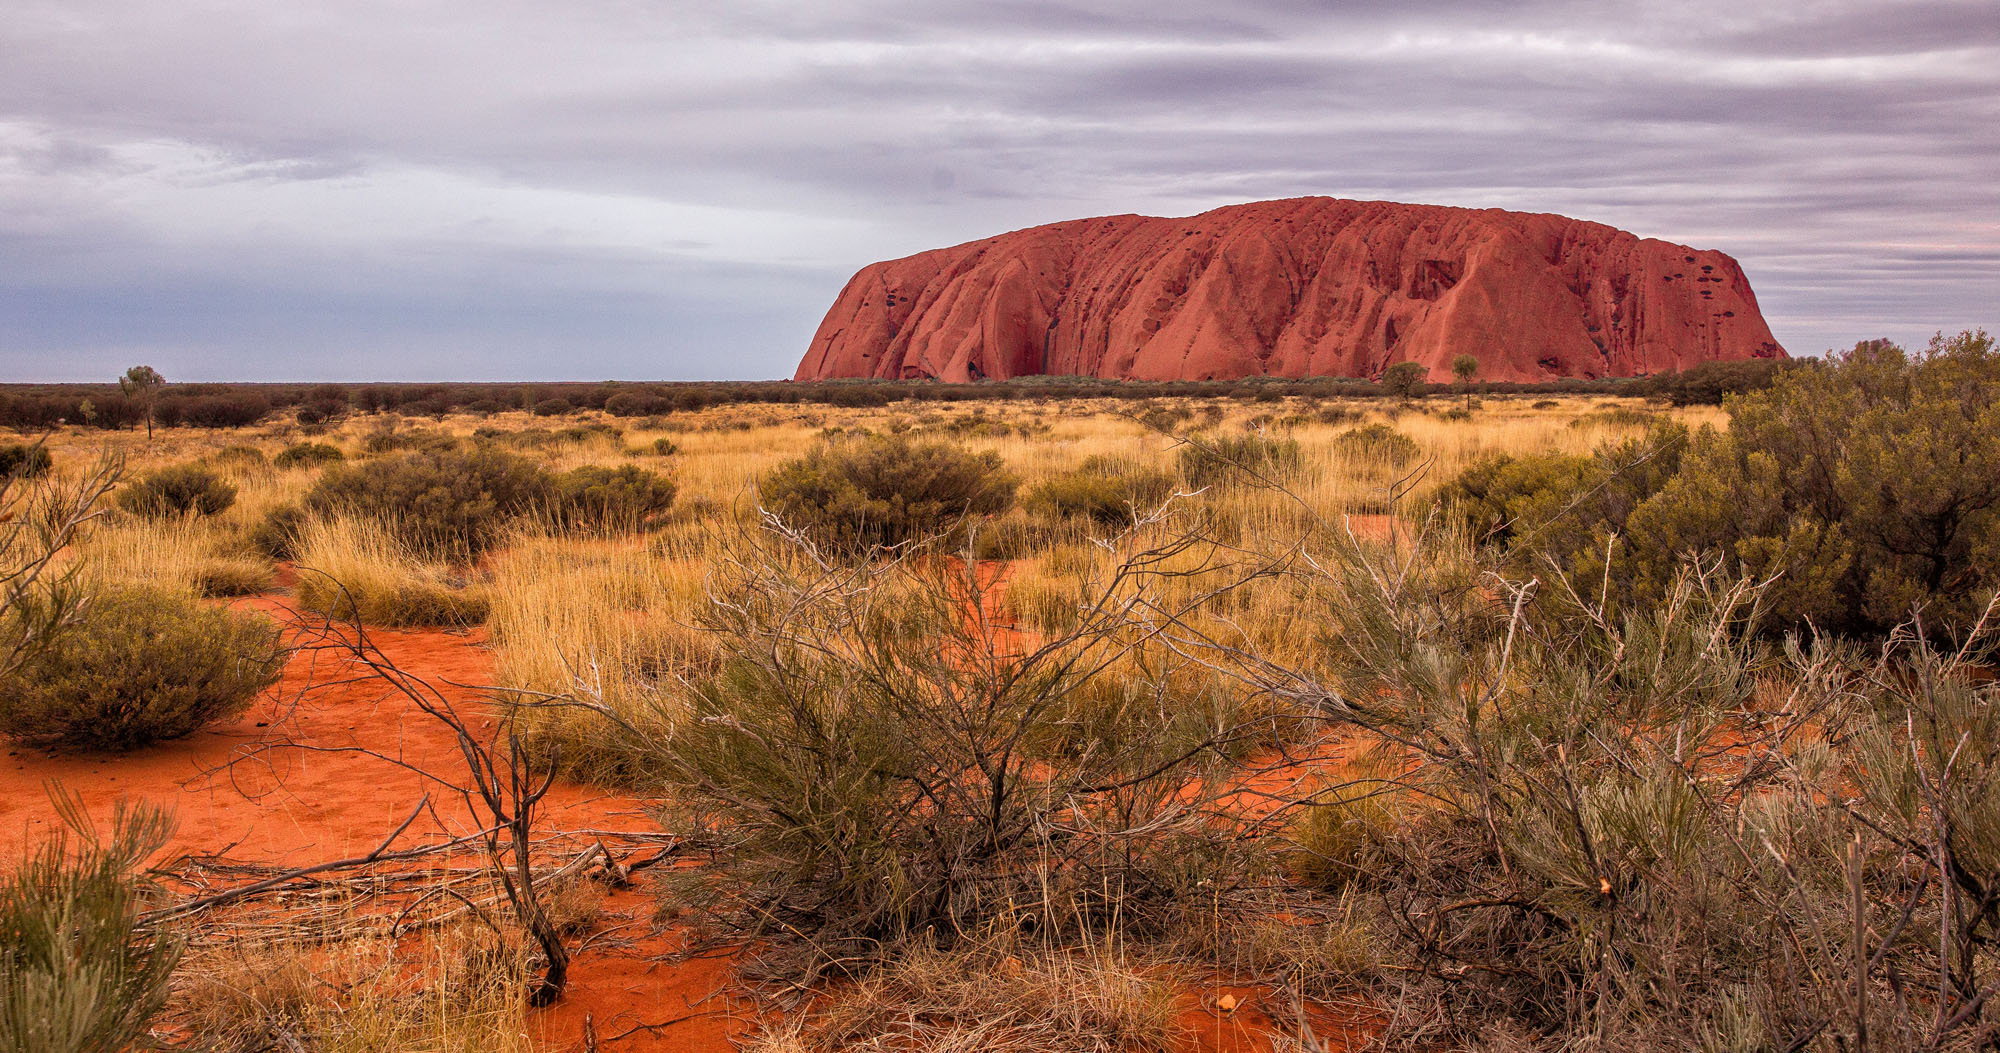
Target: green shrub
<point x="440" y="503"/>
<point x="277" y="534"/>
<point x="1242" y="457"/>
<point x="77" y="970"/>
<point x="143" y="664"/>
<point x="182" y="489"/>
<point x="598" y="499"/>
<point x="1562" y="506"/>
<point x="1106" y="490"/>
<point x="665" y="447"/>
<point x="308" y="454"/>
<point x="855" y="496"/>
<point x="1405" y="379"/>
<point x="239" y="458"/>
<point x="1378" y="444"/>
<point x="553" y="408"/>
<point x="1869" y="487"/>
<point x="23" y="460"/>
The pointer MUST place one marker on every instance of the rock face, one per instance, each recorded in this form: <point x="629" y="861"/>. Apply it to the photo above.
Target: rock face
<point x="1297" y="288"/>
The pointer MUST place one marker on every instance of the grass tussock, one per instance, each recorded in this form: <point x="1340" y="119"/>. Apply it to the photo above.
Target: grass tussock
<point x="353" y="569"/>
<point x="596" y="641"/>
<point x="991" y="998"/>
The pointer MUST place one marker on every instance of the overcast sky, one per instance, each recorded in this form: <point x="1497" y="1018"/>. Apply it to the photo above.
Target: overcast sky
<point x="450" y="189"/>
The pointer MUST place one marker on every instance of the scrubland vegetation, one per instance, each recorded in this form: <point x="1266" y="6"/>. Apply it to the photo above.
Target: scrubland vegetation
<point x="1504" y="722"/>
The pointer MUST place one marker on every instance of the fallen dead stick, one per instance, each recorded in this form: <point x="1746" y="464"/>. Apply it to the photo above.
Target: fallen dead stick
<point x="381" y="854"/>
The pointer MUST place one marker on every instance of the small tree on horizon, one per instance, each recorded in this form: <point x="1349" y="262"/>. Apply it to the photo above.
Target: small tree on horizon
<point x="143" y="383"/>
<point x="1466" y="369"/>
<point x="1405" y="379"/>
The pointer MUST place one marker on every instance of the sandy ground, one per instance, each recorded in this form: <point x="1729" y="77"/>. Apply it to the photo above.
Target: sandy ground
<point x="330" y="761"/>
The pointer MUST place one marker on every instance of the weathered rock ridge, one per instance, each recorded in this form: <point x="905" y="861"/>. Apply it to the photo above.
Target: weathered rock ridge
<point x="1296" y="288"/>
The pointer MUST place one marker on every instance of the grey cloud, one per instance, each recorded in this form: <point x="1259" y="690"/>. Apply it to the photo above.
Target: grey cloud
<point x="1843" y="150"/>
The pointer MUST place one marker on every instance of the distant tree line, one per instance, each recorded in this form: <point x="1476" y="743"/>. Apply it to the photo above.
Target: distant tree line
<point x="34" y="407"/>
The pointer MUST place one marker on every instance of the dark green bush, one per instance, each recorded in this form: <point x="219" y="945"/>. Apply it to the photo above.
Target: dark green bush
<point x="442" y="503"/>
<point x="858" y="495"/>
<point x="24" y="460"/>
<point x="308" y="454"/>
<point x="598" y="499"/>
<point x="142" y="665"/>
<point x="1405" y="379"/>
<point x="1869" y="487"/>
<point x="181" y="489"/>
<point x="553" y="408"/>
<point x="665" y="447"/>
<point x="1377" y="443"/>
<point x="1242" y="457"/>
<point x="77" y="970"/>
<point x="1106" y="490"/>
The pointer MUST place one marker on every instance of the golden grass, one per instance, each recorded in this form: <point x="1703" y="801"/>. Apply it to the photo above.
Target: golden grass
<point x="608" y="623"/>
<point x="991" y="998"/>
<point x="351" y="568"/>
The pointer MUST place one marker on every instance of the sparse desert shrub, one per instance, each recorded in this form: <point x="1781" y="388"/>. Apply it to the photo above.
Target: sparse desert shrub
<point x="77" y="970"/>
<point x="665" y="447"/>
<point x="182" y="489"/>
<point x="856" y="496"/>
<point x="888" y="766"/>
<point x="239" y="458"/>
<point x="440" y="503"/>
<point x="1545" y="404"/>
<point x="1563" y="508"/>
<point x="1107" y="490"/>
<point x="553" y="408"/>
<point x="357" y="570"/>
<point x="143" y="664"/>
<point x="308" y="455"/>
<point x="23" y="460"/>
<point x="1377" y="444"/>
<point x="1616" y="417"/>
<point x="1244" y="457"/>
<point x="1338" y="415"/>
<point x="597" y="499"/>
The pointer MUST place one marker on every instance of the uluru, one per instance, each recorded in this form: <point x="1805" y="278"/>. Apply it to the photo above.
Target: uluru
<point x="1296" y="288"/>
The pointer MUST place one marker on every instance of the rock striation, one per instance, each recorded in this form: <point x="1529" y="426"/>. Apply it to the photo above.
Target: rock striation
<point x="1295" y="288"/>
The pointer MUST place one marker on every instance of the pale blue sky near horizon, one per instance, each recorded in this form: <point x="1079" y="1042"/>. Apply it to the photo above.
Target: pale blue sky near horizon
<point x="441" y="190"/>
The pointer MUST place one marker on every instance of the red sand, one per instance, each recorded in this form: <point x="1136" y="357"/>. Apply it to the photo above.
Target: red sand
<point x="248" y="791"/>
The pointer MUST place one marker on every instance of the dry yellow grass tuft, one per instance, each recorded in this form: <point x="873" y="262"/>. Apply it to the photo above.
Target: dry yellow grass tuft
<point x="352" y="569"/>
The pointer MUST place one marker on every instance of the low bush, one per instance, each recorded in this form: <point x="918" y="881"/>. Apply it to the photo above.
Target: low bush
<point x="143" y="664"/>
<point x="441" y="503"/>
<point x="24" y="460"/>
<point x="78" y="972"/>
<point x="553" y="408"/>
<point x="596" y="499"/>
<point x="183" y="489"/>
<point x="308" y="454"/>
<point x="1105" y="490"/>
<point x="856" y="496"/>
<point x="1377" y="444"/>
<point x="277" y="534"/>
<point x="239" y="458"/>
<point x="1245" y="457"/>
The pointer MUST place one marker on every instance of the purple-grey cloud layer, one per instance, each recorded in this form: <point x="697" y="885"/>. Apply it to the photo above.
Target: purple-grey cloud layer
<point x="441" y="189"/>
